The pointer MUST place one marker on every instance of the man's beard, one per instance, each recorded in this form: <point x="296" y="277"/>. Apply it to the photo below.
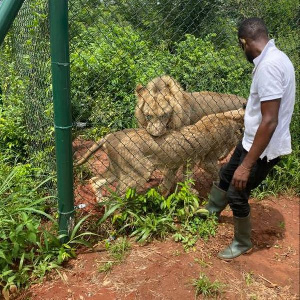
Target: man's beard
<point x="249" y="57"/>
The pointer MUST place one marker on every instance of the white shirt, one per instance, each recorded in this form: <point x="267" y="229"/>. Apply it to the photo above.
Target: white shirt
<point x="273" y="77"/>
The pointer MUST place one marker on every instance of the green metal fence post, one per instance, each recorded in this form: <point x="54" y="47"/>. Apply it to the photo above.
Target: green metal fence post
<point x="8" y="12"/>
<point x="59" y="40"/>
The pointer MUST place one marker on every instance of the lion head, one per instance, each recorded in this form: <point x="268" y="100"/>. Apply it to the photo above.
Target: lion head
<point x="156" y="110"/>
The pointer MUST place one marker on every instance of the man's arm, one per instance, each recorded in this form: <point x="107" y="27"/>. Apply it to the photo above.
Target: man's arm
<point x="269" y="111"/>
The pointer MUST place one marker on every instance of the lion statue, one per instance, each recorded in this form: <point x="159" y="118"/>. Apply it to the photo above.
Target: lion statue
<point x="163" y="105"/>
<point x="134" y="154"/>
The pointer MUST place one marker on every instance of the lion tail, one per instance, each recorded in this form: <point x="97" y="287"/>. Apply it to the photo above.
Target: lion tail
<point x="90" y="152"/>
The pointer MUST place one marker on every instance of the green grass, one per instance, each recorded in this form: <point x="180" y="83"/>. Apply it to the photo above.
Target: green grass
<point x="106" y="267"/>
<point x="118" y="250"/>
<point x="249" y="278"/>
<point x="206" y="288"/>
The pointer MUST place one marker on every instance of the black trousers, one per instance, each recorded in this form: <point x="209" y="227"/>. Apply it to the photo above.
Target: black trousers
<point x="238" y="200"/>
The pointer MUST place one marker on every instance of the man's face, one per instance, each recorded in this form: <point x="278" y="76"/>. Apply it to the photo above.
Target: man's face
<point x="247" y="50"/>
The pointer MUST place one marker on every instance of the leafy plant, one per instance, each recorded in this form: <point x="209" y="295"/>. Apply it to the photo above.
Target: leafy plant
<point x="196" y="228"/>
<point x="142" y="216"/>
<point x="207" y="288"/>
<point x="150" y="215"/>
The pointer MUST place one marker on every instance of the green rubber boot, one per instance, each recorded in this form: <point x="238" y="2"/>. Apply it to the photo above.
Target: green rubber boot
<point x="241" y="242"/>
<point x="216" y="203"/>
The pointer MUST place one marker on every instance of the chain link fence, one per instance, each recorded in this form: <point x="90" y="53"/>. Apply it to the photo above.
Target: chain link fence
<point x="26" y="111"/>
<point x="144" y="74"/>
<point x="155" y="60"/>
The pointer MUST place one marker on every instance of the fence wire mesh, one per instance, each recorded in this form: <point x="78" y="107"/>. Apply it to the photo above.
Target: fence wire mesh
<point x="146" y="65"/>
<point x="146" y="71"/>
<point x="26" y="111"/>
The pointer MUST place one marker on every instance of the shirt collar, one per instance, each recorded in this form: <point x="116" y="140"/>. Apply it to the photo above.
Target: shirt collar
<point x="259" y="58"/>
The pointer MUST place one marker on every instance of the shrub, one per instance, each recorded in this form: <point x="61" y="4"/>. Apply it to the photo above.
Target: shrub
<point x="199" y="65"/>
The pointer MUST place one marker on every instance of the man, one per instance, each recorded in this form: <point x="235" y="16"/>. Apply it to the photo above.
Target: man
<point x="266" y="137"/>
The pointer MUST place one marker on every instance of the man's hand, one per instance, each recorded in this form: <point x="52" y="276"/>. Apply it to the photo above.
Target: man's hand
<point x="240" y="178"/>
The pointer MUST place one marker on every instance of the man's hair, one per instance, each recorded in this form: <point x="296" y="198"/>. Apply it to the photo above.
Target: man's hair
<point x="253" y="28"/>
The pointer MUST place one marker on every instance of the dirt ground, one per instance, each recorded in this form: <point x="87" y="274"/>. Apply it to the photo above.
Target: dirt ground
<point x="163" y="270"/>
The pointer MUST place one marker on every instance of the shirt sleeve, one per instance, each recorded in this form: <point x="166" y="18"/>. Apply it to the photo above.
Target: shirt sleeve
<point x="270" y="83"/>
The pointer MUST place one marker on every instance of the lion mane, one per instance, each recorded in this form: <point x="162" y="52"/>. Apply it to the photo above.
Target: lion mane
<point x="163" y="105"/>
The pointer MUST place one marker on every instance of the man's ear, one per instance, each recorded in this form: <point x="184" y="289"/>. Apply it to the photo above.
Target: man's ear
<point x="243" y="41"/>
